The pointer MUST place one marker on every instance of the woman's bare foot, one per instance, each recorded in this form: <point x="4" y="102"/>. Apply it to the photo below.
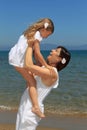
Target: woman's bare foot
<point x="37" y="111"/>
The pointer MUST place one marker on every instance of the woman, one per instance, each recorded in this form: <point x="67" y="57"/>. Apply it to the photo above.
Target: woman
<point x="45" y="80"/>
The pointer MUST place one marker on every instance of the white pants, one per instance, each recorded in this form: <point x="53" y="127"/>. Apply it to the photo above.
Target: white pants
<point x="26" y="119"/>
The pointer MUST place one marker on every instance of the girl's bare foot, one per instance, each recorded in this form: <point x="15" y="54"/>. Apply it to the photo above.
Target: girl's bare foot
<point x="37" y="111"/>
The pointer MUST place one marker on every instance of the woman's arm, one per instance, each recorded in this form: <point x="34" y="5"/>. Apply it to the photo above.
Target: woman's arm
<point x="28" y="56"/>
<point x="40" y="71"/>
<point x="38" y="54"/>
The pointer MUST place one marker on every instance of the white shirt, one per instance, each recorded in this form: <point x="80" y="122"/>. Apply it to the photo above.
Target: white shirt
<point x="17" y="53"/>
<point x="26" y="119"/>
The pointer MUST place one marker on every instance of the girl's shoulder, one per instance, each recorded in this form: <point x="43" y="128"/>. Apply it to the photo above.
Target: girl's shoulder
<point x="38" y="36"/>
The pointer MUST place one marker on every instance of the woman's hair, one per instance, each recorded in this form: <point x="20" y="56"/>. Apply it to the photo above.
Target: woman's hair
<point x="65" y="55"/>
<point x="30" y="32"/>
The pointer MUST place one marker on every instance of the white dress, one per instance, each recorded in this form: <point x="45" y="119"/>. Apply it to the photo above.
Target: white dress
<point x="17" y="53"/>
<point x="26" y="119"/>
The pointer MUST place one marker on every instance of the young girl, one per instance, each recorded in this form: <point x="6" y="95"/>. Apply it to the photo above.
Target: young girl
<point x="17" y="55"/>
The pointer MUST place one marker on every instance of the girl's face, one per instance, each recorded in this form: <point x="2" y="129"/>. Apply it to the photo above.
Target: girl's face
<point x="44" y="33"/>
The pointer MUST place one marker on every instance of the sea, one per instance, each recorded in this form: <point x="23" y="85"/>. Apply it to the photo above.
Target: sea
<point x="70" y="97"/>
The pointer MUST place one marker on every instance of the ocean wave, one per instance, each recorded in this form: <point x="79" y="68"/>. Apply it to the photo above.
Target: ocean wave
<point x="51" y="111"/>
<point x="7" y="108"/>
<point x="58" y="113"/>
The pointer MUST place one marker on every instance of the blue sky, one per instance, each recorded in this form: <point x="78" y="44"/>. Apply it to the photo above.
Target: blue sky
<point x="69" y="17"/>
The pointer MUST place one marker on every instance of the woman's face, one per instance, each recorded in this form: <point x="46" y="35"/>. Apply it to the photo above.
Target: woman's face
<point x="54" y="56"/>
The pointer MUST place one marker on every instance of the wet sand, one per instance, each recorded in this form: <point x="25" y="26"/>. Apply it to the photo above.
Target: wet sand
<point x="8" y="119"/>
<point x="12" y="127"/>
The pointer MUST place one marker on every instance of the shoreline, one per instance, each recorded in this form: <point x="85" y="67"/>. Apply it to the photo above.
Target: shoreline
<point x="66" y="122"/>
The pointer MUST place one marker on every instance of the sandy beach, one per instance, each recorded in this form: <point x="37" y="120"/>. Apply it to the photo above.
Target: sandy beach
<point x="8" y="119"/>
<point x="12" y="127"/>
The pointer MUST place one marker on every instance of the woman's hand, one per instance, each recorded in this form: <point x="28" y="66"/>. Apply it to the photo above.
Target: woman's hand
<point x="30" y="42"/>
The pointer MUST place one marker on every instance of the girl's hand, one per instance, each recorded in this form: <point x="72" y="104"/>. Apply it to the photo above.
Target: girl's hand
<point x="48" y="66"/>
<point x="51" y="69"/>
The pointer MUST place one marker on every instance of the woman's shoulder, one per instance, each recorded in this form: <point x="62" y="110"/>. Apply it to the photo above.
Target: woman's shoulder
<point x="52" y="78"/>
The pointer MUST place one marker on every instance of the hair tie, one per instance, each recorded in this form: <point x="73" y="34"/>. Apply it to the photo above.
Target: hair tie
<point x="46" y="25"/>
<point x="63" y="61"/>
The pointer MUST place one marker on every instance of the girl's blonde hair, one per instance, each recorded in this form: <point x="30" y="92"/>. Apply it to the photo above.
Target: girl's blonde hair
<point x="30" y="32"/>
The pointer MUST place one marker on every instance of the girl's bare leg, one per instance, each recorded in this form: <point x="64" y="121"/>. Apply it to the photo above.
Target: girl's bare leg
<point x="35" y="108"/>
<point x="32" y="90"/>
